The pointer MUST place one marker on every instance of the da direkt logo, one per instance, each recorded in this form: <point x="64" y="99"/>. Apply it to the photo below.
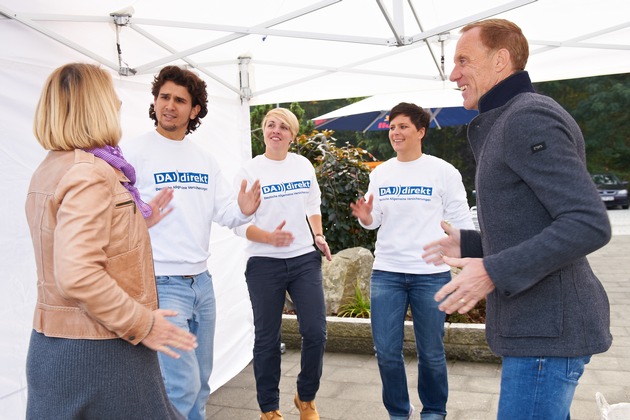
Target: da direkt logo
<point x="285" y="187"/>
<point x="182" y="177"/>
<point x="405" y="190"/>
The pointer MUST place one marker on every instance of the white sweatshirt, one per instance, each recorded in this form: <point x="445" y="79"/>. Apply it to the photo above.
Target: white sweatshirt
<point x="410" y="200"/>
<point x="289" y="192"/>
<point x="202" y="195"/>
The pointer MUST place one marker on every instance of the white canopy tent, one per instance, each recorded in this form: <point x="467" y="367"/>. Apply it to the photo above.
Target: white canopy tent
<point x="249" y="52"/>
<point x="320" y="49"/>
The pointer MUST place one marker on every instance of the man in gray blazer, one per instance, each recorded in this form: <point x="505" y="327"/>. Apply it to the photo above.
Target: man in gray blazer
<point x="539" y="216"/>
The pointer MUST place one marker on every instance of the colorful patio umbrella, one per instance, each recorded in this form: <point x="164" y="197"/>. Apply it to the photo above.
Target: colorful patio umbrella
<point x="372" y="113"/>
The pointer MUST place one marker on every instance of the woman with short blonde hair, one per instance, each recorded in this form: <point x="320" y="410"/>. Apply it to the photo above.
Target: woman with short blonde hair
<point x="286" y="117"/>
<point x="78" y="109"/>
<point x="285" y="245"/>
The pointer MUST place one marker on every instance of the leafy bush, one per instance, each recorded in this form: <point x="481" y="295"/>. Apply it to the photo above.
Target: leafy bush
<point x="343" y="178"/>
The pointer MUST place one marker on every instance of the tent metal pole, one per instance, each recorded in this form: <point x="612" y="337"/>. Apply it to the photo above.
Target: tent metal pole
<point x="243" y="73"/>
<point x="439" y="67"/>
<point x="39" y="17"/>
<point x="235" y="36"/>
<point x="65" y="41"/>
<point x="185" y="59"/>
<point x="395" y="26"/>
<point x="463" y="22"/>
<point x="577" y="42"/>
<point x="121" y="20"/>
<point x="243" y="30"/>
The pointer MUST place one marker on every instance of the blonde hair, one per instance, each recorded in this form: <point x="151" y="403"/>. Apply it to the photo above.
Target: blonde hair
<point x="78" y="109"/>
<point x="287" y="117"/>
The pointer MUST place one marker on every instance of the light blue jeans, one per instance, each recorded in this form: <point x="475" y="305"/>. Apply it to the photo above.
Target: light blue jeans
<point x="186" y="378"/>
<point x="391" y="295"/>
<point x="539" y="388"/>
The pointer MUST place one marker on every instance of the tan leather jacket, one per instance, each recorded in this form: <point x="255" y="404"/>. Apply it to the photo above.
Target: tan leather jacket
<point x="95" y="276"/>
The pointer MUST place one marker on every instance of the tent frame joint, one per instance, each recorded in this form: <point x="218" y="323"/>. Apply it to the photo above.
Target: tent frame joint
<point x="126" y="71"/>
<point x="121" y="19"/>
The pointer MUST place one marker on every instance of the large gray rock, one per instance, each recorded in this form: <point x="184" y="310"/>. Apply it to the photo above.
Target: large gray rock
<point x="348" y="268"/>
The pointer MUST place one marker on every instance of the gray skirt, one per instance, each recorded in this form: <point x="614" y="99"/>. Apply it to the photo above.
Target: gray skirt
<point x="94" y="379"/>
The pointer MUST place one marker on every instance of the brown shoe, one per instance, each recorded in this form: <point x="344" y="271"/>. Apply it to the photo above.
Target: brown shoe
<point x="308" y="411"/>
<point x="271" y="415"/>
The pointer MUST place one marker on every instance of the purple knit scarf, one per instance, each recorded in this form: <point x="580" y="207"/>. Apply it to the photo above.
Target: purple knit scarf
<point x="113" y="156"/>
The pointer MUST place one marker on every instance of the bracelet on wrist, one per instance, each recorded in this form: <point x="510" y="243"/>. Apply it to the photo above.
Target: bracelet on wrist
<point x="320" y="234"/>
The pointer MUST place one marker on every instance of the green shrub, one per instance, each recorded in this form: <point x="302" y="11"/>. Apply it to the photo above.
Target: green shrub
<point x="343" y="178"/>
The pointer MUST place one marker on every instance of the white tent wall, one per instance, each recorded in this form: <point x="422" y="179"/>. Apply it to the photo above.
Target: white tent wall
<point x="224" y="132"/>
<point x="17" y="268"/>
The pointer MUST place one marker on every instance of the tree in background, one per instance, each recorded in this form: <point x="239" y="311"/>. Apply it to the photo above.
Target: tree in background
<point x="377" y="142"/>
<point x="600" y="106"/>
<point x="451" y="144"/>
<point x="343" y="177"/>
<point x="256" y="115"/>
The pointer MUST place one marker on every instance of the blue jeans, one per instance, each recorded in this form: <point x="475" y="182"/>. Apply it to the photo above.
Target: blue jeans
<point x="186" y="378"/>
<point x="537" y="388"/>
<point x="391" y="295"/>
<point x="268" y="280"/>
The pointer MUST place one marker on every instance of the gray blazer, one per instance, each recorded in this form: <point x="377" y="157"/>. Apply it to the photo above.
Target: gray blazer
<point x="539" y="216"/>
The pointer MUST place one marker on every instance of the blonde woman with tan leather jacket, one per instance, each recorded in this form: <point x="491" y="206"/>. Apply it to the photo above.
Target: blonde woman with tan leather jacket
<point x="96" y="293"/>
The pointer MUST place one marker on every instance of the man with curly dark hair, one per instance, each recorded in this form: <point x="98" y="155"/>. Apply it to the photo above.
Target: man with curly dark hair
<point x="185" y="79"/>
<point x="167" y="158"/>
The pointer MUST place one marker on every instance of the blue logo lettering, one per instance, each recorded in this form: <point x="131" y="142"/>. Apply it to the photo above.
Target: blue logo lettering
<point x="285" y="187"/>
<point x="181" y="177"/>
<point x="405" y="190"/>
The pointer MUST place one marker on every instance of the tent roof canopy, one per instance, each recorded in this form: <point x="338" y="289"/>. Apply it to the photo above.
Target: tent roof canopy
<point x="278" y="51"/>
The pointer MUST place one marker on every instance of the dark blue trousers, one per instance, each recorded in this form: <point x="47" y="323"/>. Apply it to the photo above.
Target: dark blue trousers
<point x="268" y="280"/>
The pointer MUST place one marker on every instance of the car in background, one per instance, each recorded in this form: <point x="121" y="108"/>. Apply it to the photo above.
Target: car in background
<point x="612" y="190"/>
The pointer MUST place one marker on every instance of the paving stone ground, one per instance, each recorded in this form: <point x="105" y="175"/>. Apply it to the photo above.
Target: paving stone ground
<point x="351" y="387"/>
